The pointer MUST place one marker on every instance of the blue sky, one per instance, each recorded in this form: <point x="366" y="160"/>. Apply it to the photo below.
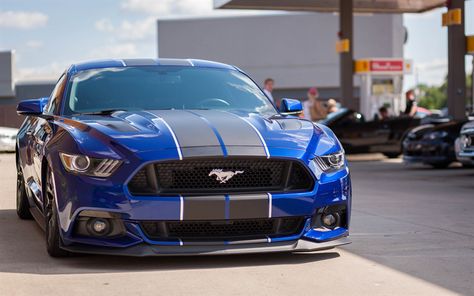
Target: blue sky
<point x="48" y="35"/>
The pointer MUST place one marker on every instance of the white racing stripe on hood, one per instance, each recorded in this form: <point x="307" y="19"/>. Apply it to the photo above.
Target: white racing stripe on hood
<point x="259" y="135"/>
<point x="178" y="148"/>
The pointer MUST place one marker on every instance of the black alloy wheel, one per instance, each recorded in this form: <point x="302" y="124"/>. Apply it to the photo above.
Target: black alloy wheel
<point x="53" y="238"/>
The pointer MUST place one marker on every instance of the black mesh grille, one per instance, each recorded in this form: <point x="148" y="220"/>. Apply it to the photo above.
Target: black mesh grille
<point x="207" y="176"/>
<point x="223" y="229"/>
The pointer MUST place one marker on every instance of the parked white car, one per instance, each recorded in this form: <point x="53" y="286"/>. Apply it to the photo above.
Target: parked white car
<point x="7" y="139"/>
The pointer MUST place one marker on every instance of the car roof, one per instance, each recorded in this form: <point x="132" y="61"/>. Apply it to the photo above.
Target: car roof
<point x="120" y="63"/>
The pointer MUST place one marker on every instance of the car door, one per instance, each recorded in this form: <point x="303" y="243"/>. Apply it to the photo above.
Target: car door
<point x="355" y="134"/>
<point x="395" y="129"/>
<point x="41" y="133"/>
<point x="26" y="141"/>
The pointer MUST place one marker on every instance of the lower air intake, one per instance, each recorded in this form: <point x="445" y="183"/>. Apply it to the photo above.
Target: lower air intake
<point x="223" y="229"/>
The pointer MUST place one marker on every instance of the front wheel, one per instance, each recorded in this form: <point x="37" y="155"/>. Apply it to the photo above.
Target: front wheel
<point x="392" y="154"/>
<point x="22" y="204"/>
<point x="53" y="238"/>
<point x="441" y="165"/>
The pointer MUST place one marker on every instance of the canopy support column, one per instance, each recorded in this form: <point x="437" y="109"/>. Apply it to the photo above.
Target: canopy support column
<point x="347" y="57"/>
<point x="456" y="65"/>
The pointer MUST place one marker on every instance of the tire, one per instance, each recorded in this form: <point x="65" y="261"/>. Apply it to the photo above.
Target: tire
<point x="392" y="154"/>
<point x="468" y="166"/>
<point x="442" y="165"/>
<point x="53" y="238"/>
<point x="22" y="204"/>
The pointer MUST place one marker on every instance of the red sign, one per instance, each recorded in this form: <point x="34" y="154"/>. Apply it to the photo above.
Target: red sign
<point x="386" y="66"/>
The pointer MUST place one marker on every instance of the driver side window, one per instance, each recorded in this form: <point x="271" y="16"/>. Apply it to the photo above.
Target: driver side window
<point x="55" y="97"/>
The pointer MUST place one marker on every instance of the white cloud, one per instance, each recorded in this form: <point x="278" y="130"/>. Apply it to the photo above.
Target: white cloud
<point x="120" y="50"/>
<point x="432" y="66"/>
<point x="128" y="30"/>
<point x="34" y="44"/>
<point x="46" y="72"/>
<point x="22" y="19"/>
<point x="168" y="7"/>
<point x="53" y="70"/>
<point x="431" y="73"/>
<point x="104" y="25"/>
<point x="137" y="30"/>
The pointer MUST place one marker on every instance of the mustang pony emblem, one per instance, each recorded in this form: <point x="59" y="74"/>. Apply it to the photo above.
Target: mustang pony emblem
<point x="224" y="176"/>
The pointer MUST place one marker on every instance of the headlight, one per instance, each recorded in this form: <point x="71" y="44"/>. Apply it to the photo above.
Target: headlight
<point x="436" y="135"/>
<point x="465" y="141"/>
<point x="82" y="164"/>
<point x="330" y="162"/>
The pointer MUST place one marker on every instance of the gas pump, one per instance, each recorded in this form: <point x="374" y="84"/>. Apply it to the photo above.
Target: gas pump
<point x="382" y="84"/>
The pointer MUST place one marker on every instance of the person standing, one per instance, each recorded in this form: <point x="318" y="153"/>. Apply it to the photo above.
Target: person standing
<point x="411" y="103"/>
<point x="268" y="88"/>
<point x="313" y="108"/>
<point x="332" y="106"/>
<point x="383" y="113"/>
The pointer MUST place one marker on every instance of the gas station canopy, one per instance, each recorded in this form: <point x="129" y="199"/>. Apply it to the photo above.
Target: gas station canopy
<point x="365" y="6"/>
<point x="458" y="44"/>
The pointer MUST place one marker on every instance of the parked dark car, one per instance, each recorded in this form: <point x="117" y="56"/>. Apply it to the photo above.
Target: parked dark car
<point x="360" y="136"/>
<point x="432" y="145"/>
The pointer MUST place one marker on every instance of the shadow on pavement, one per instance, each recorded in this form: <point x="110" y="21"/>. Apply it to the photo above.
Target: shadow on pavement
<point x="417" y="220"/>
<point x="22" y="250"/>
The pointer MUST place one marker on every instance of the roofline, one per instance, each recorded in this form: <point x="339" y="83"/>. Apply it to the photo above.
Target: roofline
<point x="146" y="62"/>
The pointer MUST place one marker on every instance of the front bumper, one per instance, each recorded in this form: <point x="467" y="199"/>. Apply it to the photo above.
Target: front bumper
<point x="77" y="194"/>
<point x="428" y="152"/>
<point x="464" y="153"/>
<point x="467" y="154"/>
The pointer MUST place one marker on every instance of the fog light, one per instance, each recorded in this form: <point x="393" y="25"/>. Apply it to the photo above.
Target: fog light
<point x="331" y="220"/>
<point x="99" y="227"/>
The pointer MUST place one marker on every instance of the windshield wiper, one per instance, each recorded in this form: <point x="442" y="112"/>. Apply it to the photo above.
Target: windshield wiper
<point x="103" y="112"/>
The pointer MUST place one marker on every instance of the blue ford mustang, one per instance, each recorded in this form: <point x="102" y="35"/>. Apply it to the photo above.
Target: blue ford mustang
<point x="177" y="157"/>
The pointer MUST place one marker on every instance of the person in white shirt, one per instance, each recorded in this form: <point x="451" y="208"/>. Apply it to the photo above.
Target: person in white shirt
<point x="268" y="88"/>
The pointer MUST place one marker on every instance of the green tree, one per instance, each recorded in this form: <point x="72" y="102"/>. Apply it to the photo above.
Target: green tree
<point x="435" y="97"/>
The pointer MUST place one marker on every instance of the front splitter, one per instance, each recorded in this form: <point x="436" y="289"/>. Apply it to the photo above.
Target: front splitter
<point x="143" y="250"/>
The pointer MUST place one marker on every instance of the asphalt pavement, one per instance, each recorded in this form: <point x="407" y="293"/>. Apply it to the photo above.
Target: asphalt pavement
<point x="412" y="232"/>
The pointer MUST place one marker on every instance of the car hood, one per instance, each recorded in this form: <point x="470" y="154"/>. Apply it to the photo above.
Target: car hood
<point x="468" y="126"/>
<point x="450" y="127"/>
<point x="194" y="133"/>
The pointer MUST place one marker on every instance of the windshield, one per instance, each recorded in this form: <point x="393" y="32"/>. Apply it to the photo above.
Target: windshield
<point x="164" y="88"/>
<point x="333" y="115"/>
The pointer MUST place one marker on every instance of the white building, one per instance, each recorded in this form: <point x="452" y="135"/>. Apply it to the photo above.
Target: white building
<point x="296" y="49"/>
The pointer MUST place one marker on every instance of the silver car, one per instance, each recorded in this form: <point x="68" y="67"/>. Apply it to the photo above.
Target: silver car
<point x="464" y="145"/>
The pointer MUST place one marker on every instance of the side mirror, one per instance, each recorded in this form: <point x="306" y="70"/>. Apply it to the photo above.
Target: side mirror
<point x="31" y="107"/>
<point x="290" y="107"/>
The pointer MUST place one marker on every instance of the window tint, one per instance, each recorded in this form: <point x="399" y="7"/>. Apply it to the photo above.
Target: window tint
<point x="165" y="87"/>
<point x="55" y="97"/>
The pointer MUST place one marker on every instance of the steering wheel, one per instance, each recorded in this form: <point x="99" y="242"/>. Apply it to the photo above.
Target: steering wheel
<point x="213" y="102"/>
